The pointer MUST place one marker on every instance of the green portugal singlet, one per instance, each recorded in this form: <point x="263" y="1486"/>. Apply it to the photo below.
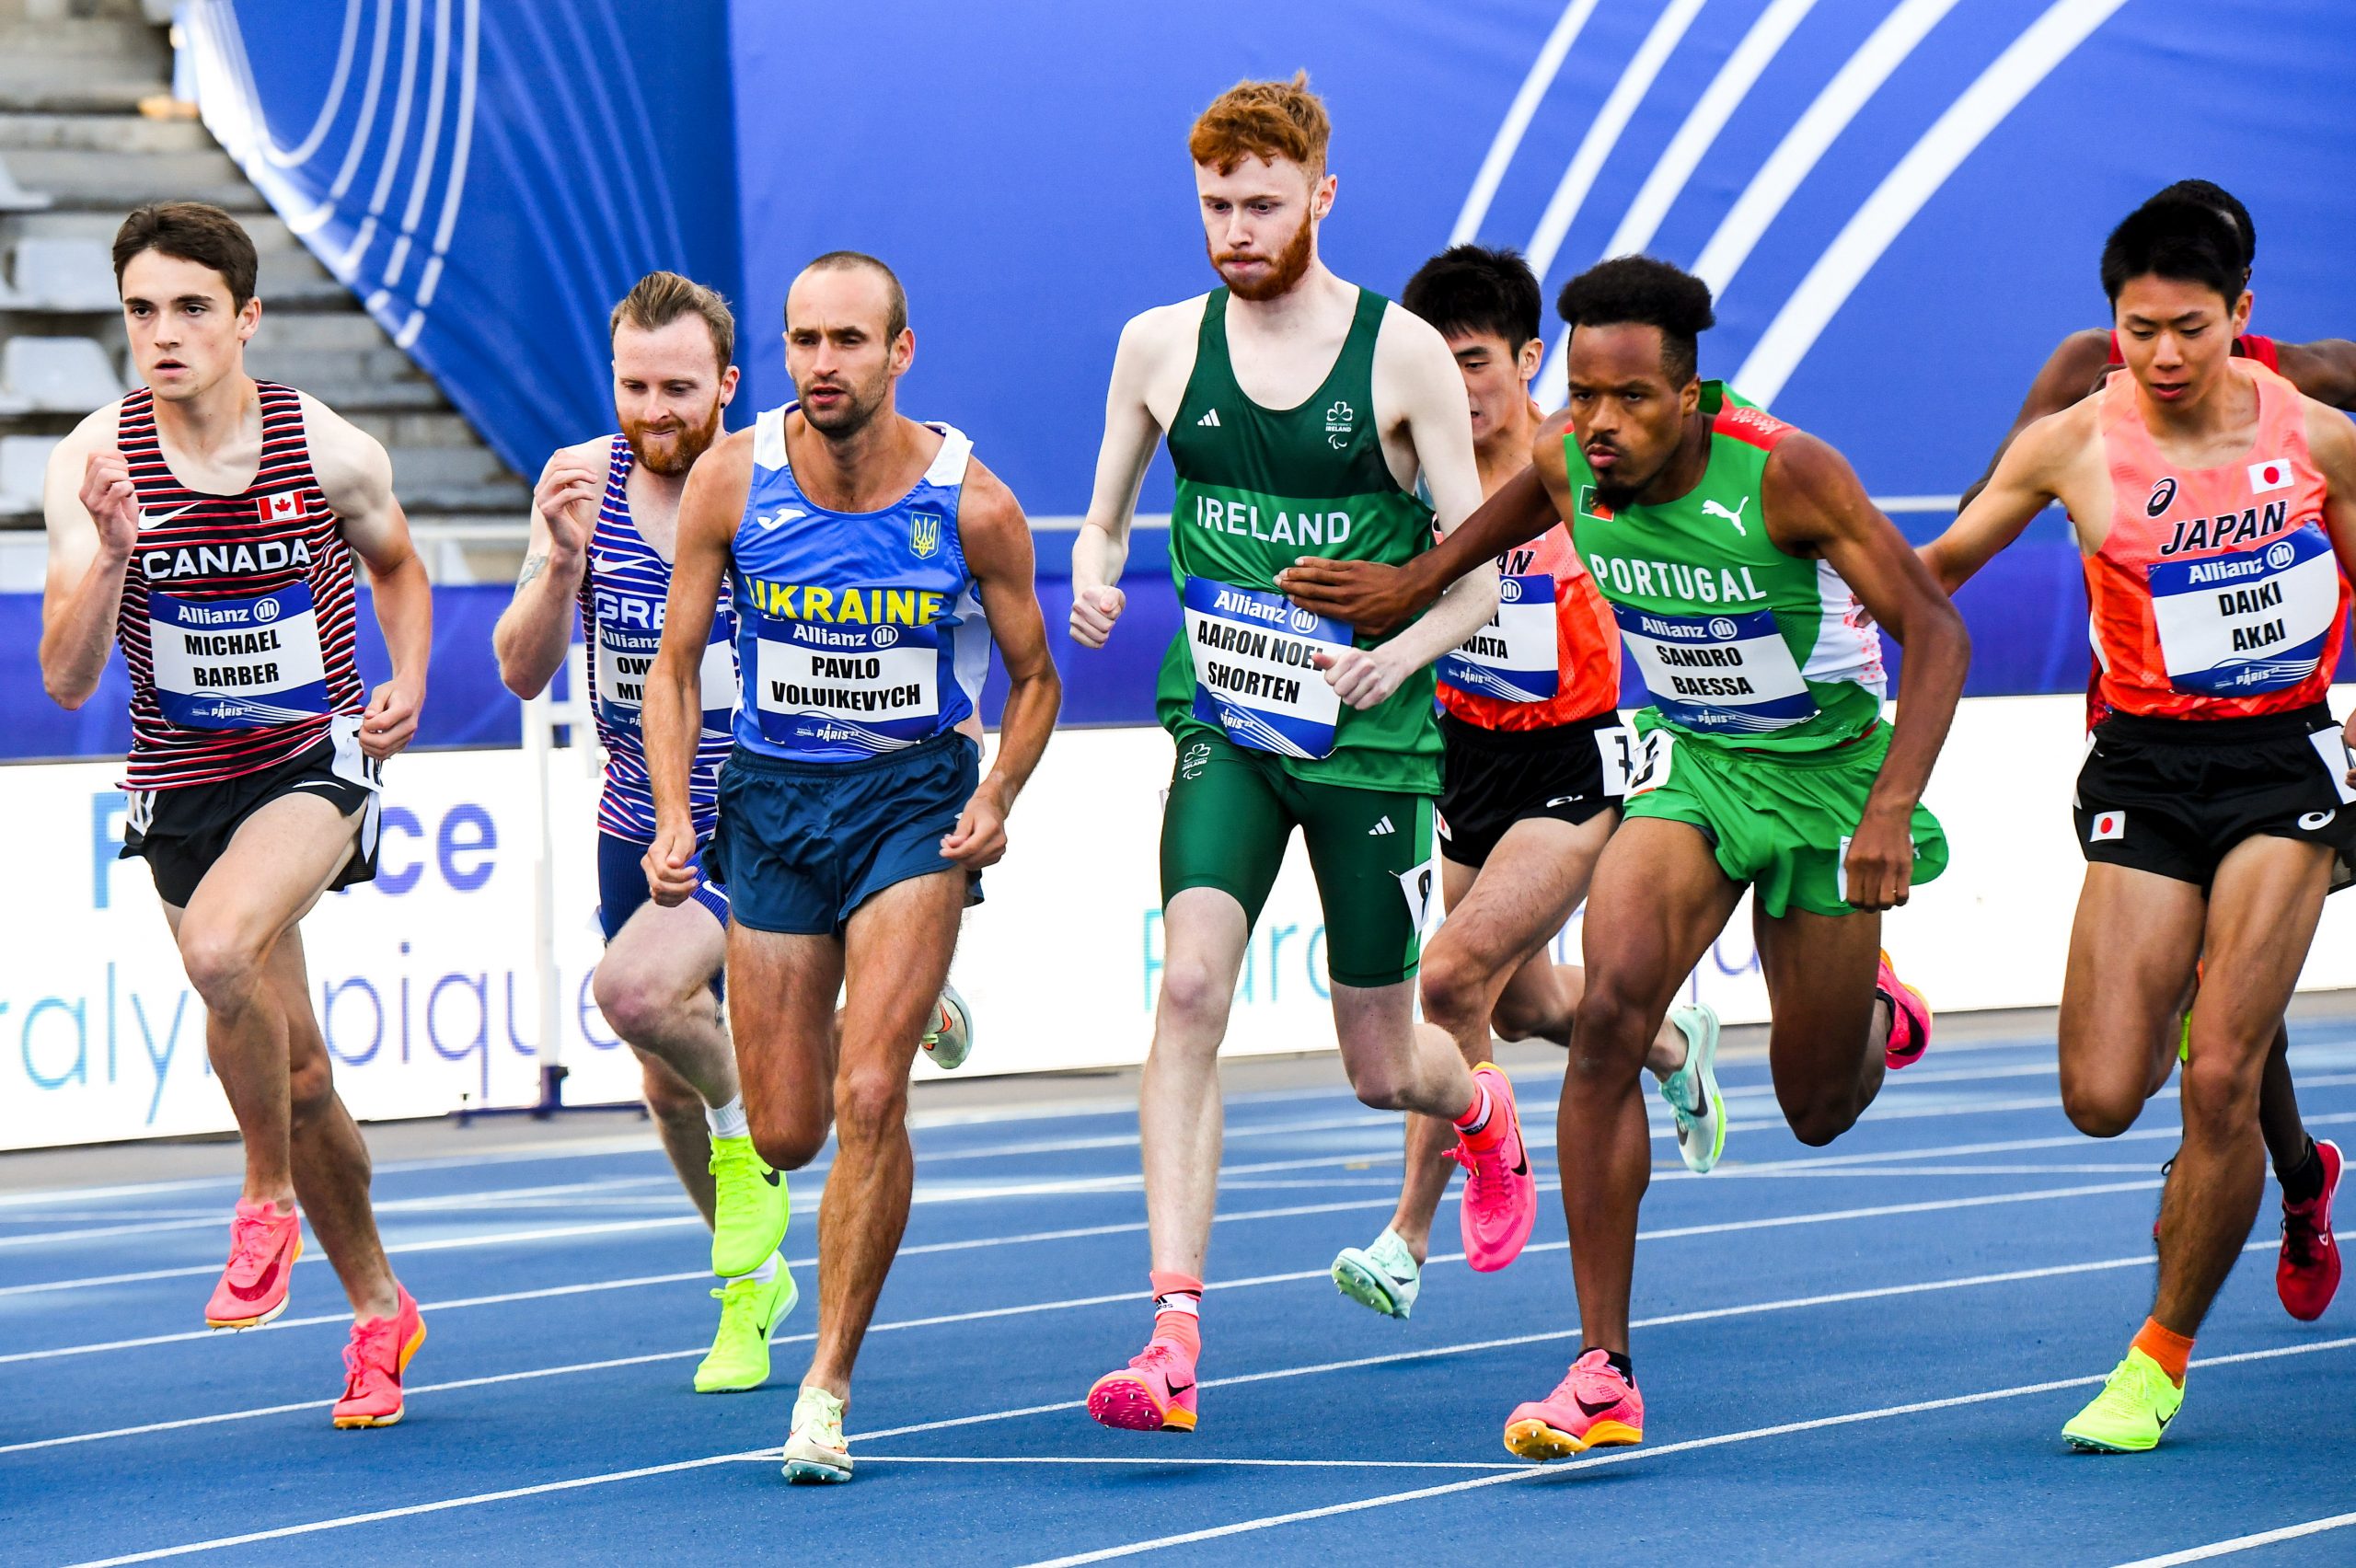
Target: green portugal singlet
<point x="1765" y="674"/>
<point x="1739" y="643"/>
<point x="1258" y="488"/>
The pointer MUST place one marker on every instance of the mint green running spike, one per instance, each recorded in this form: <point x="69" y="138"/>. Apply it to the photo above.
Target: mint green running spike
<point x="1384" y="1276"/>
<point x="951" y="1040"/>
<point x="1692" y="1091"/>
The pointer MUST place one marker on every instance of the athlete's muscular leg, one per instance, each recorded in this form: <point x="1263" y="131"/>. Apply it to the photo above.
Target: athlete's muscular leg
<point x="1180" y="1118"/>
<point x="898" y="948"/>
<point x="2277" y="1106"/>
<point x="655" y="987"/>
<point x="1658" y="900"/>
<point x="275" y="866"/>
<point x="2131" y="953"/>
<point x="1825" y="1046"/>
<point x="781" y="990"/>
<point x="330" y="1158"/>
<point x="2263" y="907"/>
<point x="1488" y="967"/>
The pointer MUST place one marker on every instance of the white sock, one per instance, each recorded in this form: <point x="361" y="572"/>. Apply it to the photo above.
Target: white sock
<point x="767" y="1272"/>
<point x="727" y="1121"/>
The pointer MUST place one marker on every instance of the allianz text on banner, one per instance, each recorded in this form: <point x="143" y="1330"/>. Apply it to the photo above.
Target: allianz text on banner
<point x="423" y="979"/>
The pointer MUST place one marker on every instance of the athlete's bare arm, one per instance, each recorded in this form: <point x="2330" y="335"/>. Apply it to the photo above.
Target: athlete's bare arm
<point x="672" y="720"/>
<point x="93" y="518"/>
<point x="2331" y="445"/>
<point x="2042" y="466"/>
<point x="1816" y="505"/>
<point x="997" y="539"/>
<point x="535" y="628"/>
<point x="355" y="475"/>
<point x="1374" y="598"/>
<point x="2072" y="372"/>
<point x="2324" y="370"/>
<point x="1419" y="394"/>
<point x="1150" y="370"/>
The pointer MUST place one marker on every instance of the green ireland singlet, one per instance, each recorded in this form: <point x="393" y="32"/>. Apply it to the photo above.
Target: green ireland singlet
<point x="1258" y="488"/>
<point x="1738" y="643"/>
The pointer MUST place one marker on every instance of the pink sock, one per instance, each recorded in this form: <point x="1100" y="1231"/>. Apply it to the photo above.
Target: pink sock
<point x="1177" y="1312"/>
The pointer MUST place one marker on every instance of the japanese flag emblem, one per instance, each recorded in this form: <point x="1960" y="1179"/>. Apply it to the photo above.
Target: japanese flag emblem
<point x="287" y="508"/>
<point x="2108" y="824"/>
<point x="2269" y="476"/>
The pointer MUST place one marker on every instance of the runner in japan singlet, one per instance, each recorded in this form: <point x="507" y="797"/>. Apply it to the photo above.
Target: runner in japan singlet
<point x="2215" y="593"/>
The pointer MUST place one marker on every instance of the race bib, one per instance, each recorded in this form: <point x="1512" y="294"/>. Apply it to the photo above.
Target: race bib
<point x="1514" y="658"/>
<point x="1723" y="675"/>
<point x="1255" y="675"/>
<point x="871" y="687"/>
<point x="1616" y="749"/>
<point x="237" y="664"/>
<point x="625" y="654"/>
<point x="2248" y="620"/>
<point x="1656" y="758"/>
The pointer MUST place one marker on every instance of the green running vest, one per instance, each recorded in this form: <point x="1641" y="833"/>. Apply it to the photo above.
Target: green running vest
<point x="1739" y="643"/>
<point x="1258" y="488"/>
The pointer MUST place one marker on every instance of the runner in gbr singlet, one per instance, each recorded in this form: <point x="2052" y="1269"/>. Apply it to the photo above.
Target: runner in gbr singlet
<point x="2212" y="502"/>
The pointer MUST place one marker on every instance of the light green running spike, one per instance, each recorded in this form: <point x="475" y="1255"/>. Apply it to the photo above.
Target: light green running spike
<point x="952" y="1039"/>
<point x="1692" y="1091"/>
<point x="2137" y="1401"/>
<point x="750" y="1208"/>
<point x="1384" y="1276"/>
<point x="750" y="1311"/>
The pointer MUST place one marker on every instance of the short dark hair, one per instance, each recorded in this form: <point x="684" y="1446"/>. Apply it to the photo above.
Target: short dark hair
<point x="2213" y="195"/>
<point x="660" y="298"/>
<point x="2178" y="238"/>
<point x="1646" y="291"/>
<point x="1472" y="288"/>
<point x="191" y="231"/>
<point x="896" y="312"/>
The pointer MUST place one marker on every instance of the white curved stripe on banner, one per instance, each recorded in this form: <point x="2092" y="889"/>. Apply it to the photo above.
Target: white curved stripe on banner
<point x="454" y="187"/>
<point x="429" y="151"/>
<point x="1796" y="157"/>
<point x="1926" y="166"/>
<point x="300" y="154"/>
<point x="366" y="125"/>
<point x="1507" y="141"/>
<point x="1603" y="130"/>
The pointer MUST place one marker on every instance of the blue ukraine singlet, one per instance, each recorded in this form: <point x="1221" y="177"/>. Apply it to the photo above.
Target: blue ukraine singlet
<point x="622" y="598"/>
<point x="858" y="633"/>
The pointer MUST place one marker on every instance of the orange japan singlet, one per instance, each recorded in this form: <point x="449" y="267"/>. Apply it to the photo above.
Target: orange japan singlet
<point x="2215" y="593"/>
<point x="1549" y="656"/>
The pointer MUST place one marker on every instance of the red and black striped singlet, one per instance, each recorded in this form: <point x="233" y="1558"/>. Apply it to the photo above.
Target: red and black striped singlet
<point x="238" y="614"/>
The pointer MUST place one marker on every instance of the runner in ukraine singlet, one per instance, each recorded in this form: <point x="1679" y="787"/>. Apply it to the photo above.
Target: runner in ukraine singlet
<point x="1258" y="488"/>
<point x="623" y="597"/>
<point x="236" y="617"/>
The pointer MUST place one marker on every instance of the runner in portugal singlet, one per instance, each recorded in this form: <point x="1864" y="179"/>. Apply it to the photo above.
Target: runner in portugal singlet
<point x="237" y="627"/>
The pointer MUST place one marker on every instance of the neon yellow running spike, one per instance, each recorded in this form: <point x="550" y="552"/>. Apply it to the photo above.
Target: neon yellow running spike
<point x="750" y="1311"/>
<point x="750" y="1196"/>
<point x="2136" y="1404"/>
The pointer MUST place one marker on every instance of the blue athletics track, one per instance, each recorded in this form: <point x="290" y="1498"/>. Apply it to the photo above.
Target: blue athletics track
<point x="1862" y="1354"/>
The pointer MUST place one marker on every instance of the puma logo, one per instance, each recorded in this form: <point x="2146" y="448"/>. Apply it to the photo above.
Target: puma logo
<point x="1711" y="509"/>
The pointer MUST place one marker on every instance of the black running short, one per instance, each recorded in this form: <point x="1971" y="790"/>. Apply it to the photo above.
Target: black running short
<point x="2172" y="796"/>
<point x="181" y="832"/>
<point x="1494" y="779"/>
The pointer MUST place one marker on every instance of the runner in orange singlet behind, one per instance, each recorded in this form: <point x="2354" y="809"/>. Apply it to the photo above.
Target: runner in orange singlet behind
<point x="2216" y="506"/>
<point x="1537" y="760"/>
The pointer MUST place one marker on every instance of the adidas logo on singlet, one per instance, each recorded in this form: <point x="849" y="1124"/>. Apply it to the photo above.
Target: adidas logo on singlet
<point x="1209" y="421"/>
<point x="1380" y="828"/>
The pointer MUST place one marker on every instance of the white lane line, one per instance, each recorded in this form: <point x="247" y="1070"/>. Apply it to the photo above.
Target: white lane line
<point x="1629" y="1455"/>
<point x="492" y="1198"/>
<point x="1251" y="1282"/>
<point x="579" y="1482"/>
<point x="2244" y="1543"/>
<point x="772" y="1456"/>
<point x="1769" y="1222"/>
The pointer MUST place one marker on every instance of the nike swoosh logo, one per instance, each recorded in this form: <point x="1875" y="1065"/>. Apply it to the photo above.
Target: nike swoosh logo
<point x="770" y="1177"/>
<point x="1613" y="1404"/>
<point x="148" y="519"/>
<point x="1177" y="1389"/>
<point x="261" y="1286"/>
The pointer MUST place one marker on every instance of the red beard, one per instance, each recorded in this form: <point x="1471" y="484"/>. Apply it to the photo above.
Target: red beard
<point x="1292" y="266"/>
